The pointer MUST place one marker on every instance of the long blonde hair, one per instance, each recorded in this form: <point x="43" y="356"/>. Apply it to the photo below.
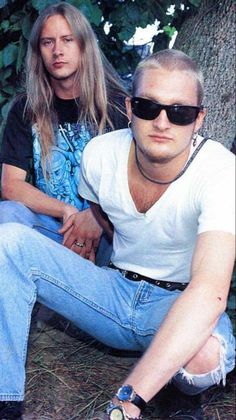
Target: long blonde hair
<point x="98" y="82"/>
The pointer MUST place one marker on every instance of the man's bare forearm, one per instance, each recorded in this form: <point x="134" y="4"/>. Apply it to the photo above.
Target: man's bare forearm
<point x="191" y="319"/>
<point x="183" y="333"/>
<point x="37" y="200"/>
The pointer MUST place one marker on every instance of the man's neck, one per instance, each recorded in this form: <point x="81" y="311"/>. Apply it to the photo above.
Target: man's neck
<point x="143" y="192"/>
<point x="162" y="172"/>
<point x="65" y="89"/>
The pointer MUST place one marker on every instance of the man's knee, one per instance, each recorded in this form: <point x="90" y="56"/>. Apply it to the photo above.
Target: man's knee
<point x="207" y="359"/>
<point x="209" y="367"/>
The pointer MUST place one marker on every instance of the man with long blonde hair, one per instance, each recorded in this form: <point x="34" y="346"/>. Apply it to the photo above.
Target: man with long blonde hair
<point x="72" y="94"/>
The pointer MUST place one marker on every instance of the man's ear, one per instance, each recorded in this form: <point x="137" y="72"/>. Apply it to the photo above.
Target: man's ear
<point x="200" y="119"/>
<point x="128" y="107"/>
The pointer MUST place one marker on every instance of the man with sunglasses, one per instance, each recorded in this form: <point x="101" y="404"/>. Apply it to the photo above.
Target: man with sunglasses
<point x="166" y="196"/>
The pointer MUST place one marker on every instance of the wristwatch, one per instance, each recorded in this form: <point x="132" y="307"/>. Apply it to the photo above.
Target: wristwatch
<point x="115" y="412"/>
<point x="127" y="393"/>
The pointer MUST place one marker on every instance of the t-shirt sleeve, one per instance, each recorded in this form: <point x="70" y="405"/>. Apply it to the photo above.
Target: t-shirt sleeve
<point x="16" y="148"/>
<point x="89" y="178"/>
<point x="218" y="202"/>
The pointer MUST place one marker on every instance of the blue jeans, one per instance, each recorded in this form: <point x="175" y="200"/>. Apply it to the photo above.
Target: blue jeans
<point x="116" y="311"/>
<point x="16" y="212"/>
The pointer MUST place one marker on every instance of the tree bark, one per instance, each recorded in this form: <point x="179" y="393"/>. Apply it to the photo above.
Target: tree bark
<point x="209" y="38"/>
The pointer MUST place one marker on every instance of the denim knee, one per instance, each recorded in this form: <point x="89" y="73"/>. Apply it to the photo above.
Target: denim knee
<point x="193" y="384"/>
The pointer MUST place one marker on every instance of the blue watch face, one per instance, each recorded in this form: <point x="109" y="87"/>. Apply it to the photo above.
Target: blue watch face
<point x="125" y="393"/>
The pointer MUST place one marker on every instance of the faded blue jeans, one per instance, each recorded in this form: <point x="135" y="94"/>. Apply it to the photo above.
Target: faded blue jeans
<point x="116" y="311"/>
<point x="16" y="212"/>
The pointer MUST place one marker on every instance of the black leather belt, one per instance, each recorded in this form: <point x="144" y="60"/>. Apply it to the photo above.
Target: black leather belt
<point x="168" y="285"/>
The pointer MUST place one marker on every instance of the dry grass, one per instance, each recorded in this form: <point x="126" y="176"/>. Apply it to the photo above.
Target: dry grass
<point x="70" y="375"/>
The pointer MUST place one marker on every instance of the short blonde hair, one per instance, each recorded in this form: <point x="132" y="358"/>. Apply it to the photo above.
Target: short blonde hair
<point x="171" y="60"/>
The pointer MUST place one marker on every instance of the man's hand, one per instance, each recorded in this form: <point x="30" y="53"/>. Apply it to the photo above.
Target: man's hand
<point x="83" y="229"/>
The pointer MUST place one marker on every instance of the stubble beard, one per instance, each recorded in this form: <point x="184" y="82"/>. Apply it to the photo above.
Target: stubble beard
<point x="153" y="158"/>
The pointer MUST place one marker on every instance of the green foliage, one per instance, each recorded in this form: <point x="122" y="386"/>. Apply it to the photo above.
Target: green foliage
<point x="195" y="3"/>
<point x="123" y="16"/>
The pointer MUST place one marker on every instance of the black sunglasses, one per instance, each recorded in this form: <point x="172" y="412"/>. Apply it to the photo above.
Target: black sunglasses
<point x="177" y="114"/>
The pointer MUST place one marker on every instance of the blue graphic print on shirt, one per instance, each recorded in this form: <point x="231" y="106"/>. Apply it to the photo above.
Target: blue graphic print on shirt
<point x="63" y="169"/>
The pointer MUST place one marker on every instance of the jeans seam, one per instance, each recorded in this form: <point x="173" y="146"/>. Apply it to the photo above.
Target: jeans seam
<point x="30" y="308"/>
<point x="141" y="296"/>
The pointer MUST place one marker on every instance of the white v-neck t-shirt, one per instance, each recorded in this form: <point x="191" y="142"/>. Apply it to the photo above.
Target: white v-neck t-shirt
<point x="159" y="243"/>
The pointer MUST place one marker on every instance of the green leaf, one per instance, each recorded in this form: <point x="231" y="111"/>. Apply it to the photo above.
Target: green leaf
<point x="2" y="98"/>
<point x="16" y="27"/>
<point x="5" y="73"/>
<point x="26" y="27"/>
<point x="39" y="5"/>
<point x="195" y="3"/>
<point x="16" y="17"/>
<point x="5" y="25"/>
<point x="126" y="34"/>
<point x="9" y="90"/>
<point x="169" y="30"/>
<point x="145" y="20"/>
<point x="9" y="54"/>
<point x="4" y="110"/>
<point x="92" y="11"/>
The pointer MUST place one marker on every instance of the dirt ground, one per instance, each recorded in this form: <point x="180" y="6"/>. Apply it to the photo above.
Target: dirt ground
<point x="70" y="375"/>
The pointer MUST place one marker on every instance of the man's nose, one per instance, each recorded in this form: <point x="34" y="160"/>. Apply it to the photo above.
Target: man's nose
<point x="161" y="121"/>
<point x="57" y="48"/>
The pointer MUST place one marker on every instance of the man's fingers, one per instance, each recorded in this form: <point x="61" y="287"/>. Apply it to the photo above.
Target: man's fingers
<point x="66" y="225"/>
<point x="85" y="250"/>
<point x="91" y="256"/>
<point x="88" y="246"/>
<point x="79" y="248"/>
<point x="68" y="239"/>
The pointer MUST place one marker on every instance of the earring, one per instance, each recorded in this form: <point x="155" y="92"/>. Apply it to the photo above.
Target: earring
<point x="194" y="139"/>
<point x="129" y="124"/>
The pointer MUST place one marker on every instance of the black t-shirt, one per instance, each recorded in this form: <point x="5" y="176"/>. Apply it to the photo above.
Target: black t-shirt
<point x="21" y="148"/>
<point x="17" y="144"/>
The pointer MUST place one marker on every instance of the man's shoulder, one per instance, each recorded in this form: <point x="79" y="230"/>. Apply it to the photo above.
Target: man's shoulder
<point x="16" y="111"/>
<point x="214" y="154"/>
<point x="216" y="145"/>
<point x="112" y="140"/>
<point x="215" y="163"/>
<point x="18" y="104"/>
<point x="216" y="151"/>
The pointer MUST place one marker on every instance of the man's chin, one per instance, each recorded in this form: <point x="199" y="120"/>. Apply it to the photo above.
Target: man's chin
<point x="160" y="157"/>
<point x="59" y="77"/>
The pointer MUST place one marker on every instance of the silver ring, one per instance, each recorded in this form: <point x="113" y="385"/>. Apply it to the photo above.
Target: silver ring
<point x="81" y="245"/>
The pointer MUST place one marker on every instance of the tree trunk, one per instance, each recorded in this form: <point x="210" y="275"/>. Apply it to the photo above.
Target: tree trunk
<point x="209" y="38"/>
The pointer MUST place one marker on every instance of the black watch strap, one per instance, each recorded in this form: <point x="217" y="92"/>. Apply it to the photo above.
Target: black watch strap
<point x="139" y="402"/>
<point x="127" y="393"/>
